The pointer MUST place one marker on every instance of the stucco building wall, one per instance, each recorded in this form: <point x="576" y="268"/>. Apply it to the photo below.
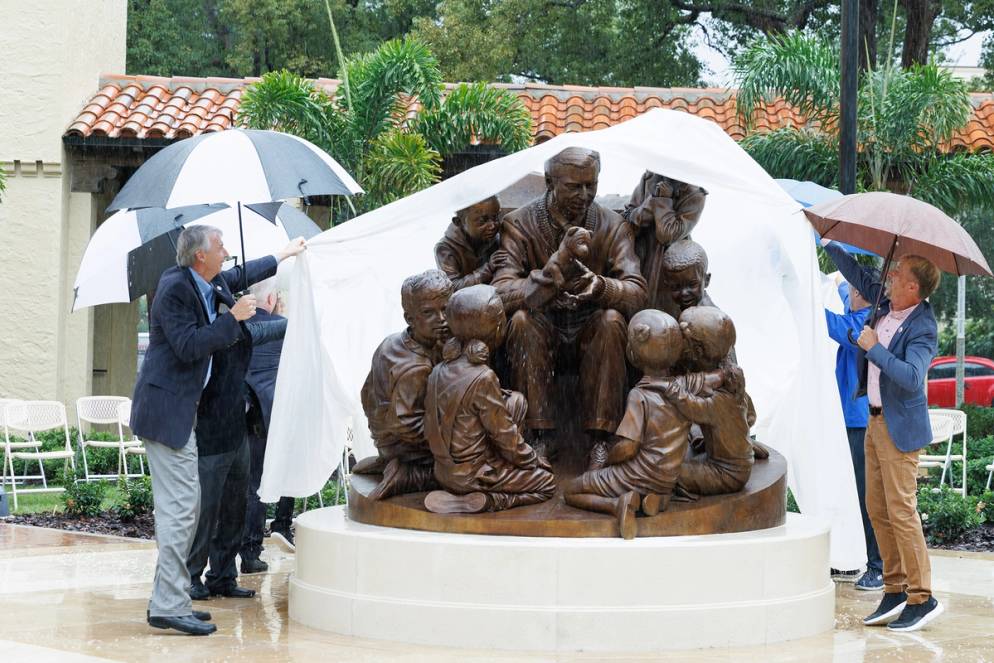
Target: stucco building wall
<point x="54" y="52"/>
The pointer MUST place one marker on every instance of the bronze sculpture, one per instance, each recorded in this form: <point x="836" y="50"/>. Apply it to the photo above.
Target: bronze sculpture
<point x="481" y="460"/>
<point x="565" y="278"/>
<point x="585" y="314"/>
<point x="467" y="253"/>
<point x="663" y="211"/>
<point x="393" y="394"/>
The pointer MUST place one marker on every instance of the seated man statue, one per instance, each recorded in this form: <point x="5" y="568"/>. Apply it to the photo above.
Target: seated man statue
<point x="652" y="438"/>
<point x="467" y="253"/>
<point x="481" y="460"/>
<point x="569" y="291"/>
<point x="394" y="391"/>
<point x="663" y="211"/>
<point x="727" y="461"/>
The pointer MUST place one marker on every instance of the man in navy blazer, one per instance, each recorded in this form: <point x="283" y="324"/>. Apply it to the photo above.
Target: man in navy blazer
<point x="897" y="347"/>
<point x="193" y="316"/>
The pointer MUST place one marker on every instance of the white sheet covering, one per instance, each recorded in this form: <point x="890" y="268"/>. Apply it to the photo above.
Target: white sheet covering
<point x="345" y="297"/>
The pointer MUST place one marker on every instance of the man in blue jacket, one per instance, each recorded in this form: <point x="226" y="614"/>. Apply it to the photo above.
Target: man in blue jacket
<point x="897" y="347"/>
<point x="855" y="412"/>
<point x="193" y="316"/>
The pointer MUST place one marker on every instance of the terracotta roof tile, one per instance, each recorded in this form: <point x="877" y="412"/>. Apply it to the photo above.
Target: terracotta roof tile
<point x="172" y="108"/>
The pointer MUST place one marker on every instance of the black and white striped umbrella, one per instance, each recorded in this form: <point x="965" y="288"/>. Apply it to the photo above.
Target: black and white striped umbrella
<point x="237" y="165"/>
<point x="130" y="250"/>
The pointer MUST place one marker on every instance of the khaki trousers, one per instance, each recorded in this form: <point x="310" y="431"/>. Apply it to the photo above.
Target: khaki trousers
<point x="892" y="502"/>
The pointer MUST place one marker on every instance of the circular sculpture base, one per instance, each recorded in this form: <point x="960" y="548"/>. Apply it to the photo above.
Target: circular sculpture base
<point x="562" y="594"/>
<point x="760" y="505"/>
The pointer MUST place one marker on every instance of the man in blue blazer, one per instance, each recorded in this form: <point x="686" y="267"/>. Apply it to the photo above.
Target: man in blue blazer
<point x="897" y="346"/>
<point x="193" y="316"/>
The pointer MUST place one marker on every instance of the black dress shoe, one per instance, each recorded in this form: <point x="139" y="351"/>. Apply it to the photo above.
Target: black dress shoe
<point x="186" y="624"/>
<point x="233" y="592"/>
<point x="254" y="565"/>
<point x="202" y="615"/>
<point x="199" y="593"/>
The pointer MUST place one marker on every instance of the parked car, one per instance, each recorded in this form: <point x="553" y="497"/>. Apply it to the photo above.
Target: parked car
<point x="978" y="381"/>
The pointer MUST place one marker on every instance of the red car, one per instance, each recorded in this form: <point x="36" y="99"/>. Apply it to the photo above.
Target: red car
<point x="978" y="381"/>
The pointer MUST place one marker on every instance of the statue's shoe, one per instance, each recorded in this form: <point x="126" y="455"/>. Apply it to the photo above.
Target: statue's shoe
<point x="653" y="503"/>
<point x="440" y="501"/>
<point x="625" y="510"/>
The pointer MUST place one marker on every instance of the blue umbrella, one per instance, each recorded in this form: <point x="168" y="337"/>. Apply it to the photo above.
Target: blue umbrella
<point x="809" y="194"/>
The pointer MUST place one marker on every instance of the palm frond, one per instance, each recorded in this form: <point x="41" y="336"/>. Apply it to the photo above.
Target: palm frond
<point x="476" y="112"/>
<point x="803" y="71"/>
<point x="956" y="183"/>
<point x="283" y="101"/>
<point x="398" y="67"/>
<point x="399" y="164"/>
<point x="924" y="106"/>
<point x="800" y="154"/>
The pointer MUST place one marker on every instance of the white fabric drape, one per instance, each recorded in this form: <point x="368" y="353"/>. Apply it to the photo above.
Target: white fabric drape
<point x="345" y="297"/>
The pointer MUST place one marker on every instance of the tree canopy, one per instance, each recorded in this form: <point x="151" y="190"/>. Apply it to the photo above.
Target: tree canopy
<point x="592" y="42"/>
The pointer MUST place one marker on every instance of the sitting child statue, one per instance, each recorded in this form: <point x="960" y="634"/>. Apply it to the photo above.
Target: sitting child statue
<point x="651" y="440"/>
<point x="472" y="426"/>
<point x="468" y="252"/>
<point x="394" y="391"/>
<point x="727" y="461"/>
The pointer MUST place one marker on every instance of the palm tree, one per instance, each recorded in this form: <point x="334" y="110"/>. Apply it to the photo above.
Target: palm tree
<point x="905" y="121"/>
<point x="389" y="124"/>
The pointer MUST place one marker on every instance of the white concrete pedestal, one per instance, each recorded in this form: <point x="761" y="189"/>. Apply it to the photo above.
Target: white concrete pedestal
<point x="555" y="594"/>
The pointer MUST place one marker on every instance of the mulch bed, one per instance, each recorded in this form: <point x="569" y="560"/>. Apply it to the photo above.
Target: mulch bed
<point x="980" y="539"/>
<point x="142" y="527"/>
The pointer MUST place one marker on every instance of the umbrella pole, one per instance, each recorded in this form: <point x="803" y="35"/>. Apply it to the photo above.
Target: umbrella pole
<point x="880" y="292"/>
<point x="241" y="237"/>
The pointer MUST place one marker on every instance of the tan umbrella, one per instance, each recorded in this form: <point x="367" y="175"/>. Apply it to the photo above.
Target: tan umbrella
<point x="892" y="225"/>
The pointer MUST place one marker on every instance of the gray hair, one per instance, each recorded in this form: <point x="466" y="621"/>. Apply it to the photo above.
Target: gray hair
<point x="576" y="157"/>
<point x="193" y="239"/>
<point x="263" y="288"/>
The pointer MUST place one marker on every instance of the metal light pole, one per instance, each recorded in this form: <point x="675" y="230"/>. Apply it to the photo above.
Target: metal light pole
<point x="960" y="336"/>
<point x="849" y="61"/>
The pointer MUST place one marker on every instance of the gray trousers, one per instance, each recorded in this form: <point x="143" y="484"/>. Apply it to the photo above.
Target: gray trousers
<point x="176" y="495"/>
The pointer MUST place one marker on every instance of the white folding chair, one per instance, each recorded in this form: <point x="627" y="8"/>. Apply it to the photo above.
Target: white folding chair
<point x="133" y="446"/>
<point x="946" y="426"/>
<point x="29" y="418"/>
<point x="102" y="410"/>
<point x="990" y="475"/>
<point x="12" y="444"/>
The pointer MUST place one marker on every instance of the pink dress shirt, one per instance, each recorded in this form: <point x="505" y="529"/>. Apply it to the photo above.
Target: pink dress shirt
<point x="886" y="328"/>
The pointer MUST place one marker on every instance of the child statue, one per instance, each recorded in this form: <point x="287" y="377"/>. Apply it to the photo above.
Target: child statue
<point x="727" y="461"/>
<point x="651" y="440"/>
<point x="467" y="253"/>
<point x="394" y="391"/>
<point x="473" y="427"/>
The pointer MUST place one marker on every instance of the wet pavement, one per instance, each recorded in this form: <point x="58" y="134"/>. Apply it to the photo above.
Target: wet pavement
<point x="77" y="597"/>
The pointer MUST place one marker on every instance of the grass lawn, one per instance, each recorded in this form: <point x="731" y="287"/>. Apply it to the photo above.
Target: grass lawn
<point x="49" y="502"/>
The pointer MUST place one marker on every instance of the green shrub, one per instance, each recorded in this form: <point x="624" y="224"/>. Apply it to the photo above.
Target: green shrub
<point x="135" y="498"/>
<point x="946" y="515"/>
<point x="792" y="503"/>
<point x="81" y="498"/>
<point x="979" y="421"/>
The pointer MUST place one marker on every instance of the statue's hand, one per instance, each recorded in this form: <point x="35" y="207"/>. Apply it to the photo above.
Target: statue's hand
<point x="664" y="188"/>
<point x="498" y="259"/>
